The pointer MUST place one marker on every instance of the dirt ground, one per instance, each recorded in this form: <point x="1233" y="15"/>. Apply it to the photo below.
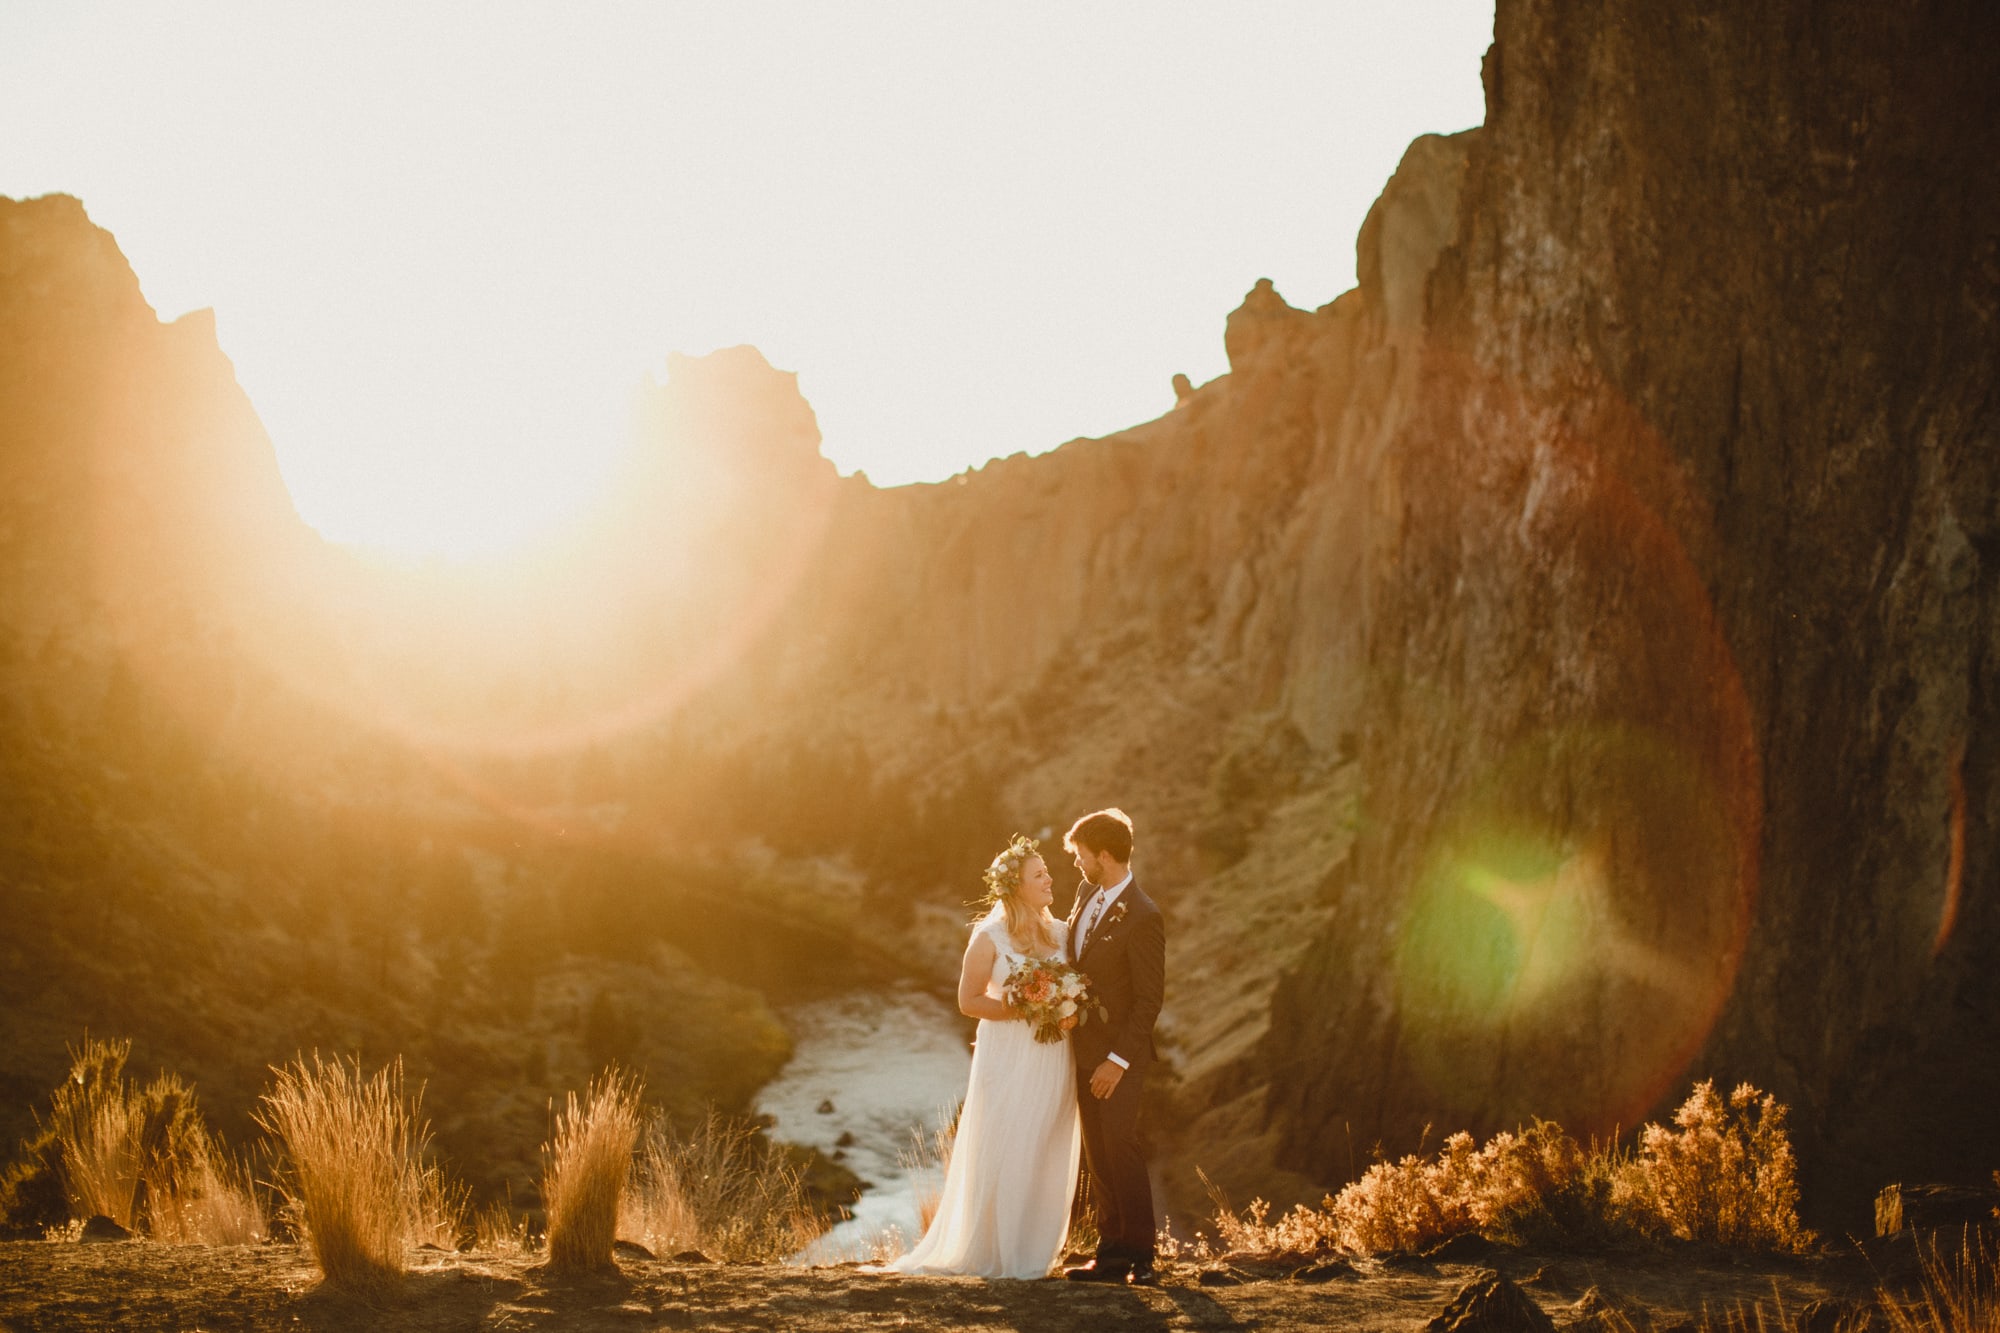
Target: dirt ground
<point x="135" y="1285"/>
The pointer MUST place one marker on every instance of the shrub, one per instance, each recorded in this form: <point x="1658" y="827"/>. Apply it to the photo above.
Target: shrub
<point x="1727" y="1176"/>
<point x="720" y="1188"/>
<point x="1538" y="1181"/>
<point x="1566" y="1196"/>
<point x="588" y="1164"/>
<point x="356" y="1183"/>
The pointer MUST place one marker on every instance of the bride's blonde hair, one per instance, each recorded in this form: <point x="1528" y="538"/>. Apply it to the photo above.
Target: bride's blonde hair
<point x="1025" y="925"/>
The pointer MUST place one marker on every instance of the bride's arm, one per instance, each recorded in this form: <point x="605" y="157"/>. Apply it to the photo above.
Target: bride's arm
<point x="973" y="1001"/>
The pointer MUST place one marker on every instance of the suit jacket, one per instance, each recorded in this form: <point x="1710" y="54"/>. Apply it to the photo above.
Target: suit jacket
<point x="1126" y="961"/>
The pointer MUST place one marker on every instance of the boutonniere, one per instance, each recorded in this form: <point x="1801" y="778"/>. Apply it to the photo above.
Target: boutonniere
<point x="1114" y="916"/>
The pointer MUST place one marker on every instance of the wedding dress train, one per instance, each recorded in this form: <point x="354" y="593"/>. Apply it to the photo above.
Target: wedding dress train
<point x="1007" y="1192"/>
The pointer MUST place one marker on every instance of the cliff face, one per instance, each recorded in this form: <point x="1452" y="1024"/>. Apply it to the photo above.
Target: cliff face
<point x="142" y="499"/>
<point x="1681" y="660"/>
<point x="1635" y="519"/>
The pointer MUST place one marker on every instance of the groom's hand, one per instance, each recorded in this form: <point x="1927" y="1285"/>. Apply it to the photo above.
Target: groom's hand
<point x="1104" y="1080"/>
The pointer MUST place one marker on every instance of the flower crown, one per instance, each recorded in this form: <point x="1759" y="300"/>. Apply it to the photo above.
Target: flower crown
<point x="1003" y="876"/>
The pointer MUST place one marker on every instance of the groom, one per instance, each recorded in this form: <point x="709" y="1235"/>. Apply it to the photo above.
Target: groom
<point x="1119" y="941"/>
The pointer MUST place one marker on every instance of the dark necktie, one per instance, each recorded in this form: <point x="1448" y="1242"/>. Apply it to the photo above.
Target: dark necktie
<point x="1091" y="915"/>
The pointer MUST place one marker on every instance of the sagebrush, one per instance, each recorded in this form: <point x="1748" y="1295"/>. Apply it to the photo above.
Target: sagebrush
<point x="1726" y="1174"/>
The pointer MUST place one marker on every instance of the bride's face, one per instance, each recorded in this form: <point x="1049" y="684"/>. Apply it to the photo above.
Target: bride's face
<point x="1038" y="887"/>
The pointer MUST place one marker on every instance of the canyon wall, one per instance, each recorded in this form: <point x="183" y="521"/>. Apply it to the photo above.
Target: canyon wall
<point x="1566" y="659"/>
<point x="1681" y="662"/>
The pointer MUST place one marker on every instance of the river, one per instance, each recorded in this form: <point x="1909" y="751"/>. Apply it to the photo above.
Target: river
<point x="875" y="1070"/>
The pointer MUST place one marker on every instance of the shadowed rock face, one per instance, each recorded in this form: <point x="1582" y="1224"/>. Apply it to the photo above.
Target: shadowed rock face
<point x="142" y="499"/>
<point x="1681" y="662"/>
<point x="1556" y="670"/>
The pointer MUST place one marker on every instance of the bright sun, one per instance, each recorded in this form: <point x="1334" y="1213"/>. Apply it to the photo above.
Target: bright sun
<point x="446" y="243"/>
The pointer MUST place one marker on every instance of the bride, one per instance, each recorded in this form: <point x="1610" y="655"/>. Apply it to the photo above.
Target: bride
<point x="1006" y="1202"/>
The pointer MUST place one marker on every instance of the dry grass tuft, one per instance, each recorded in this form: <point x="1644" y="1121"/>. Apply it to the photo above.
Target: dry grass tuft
<point x="498" y="1230"/>
<point x="1959" y="1291"/>
<point x="719" y="1188"/>
<point x="1301" y="1231"/>
<point x="91" y="1116"/>
<point x="588" y="1165"/>
<point x="143" y="1157"/>
<point x="434" y="1212"/>
<point x="219" y="1206"/>
<point x="929" y="1156"/>
<point x="357" y="1184"/>
<point x="1726" y="1176"/>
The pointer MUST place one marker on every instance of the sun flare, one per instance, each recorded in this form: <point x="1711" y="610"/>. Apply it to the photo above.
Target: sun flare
<point x="971" y="232"/>
<point x="441" y="459"/>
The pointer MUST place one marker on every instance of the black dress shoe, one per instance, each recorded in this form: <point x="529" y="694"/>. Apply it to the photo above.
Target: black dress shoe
<point x="1142" y="1275"/>
<point x="1096" y="1272"/>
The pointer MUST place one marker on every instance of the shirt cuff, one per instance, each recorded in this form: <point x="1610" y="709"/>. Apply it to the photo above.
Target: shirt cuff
<point x="1118" y="1060"/>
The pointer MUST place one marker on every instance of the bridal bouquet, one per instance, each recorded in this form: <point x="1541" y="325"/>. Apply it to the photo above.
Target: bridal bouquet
<point x="1053" y="996"/>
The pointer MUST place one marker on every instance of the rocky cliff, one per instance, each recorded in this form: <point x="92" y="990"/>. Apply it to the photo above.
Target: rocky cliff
<point x="1680" y="660"/>
<point x="1630" y="528"/>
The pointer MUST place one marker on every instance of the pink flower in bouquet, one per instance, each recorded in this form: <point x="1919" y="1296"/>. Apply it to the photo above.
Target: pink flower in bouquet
<point x="1052" y="996"/>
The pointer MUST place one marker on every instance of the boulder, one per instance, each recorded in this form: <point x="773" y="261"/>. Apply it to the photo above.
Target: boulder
<point x="101" y="1229"/>
<point x="1326" y="1270"/>
<point x="1468" y="1248"/>
<point x="1911" y="1207"/>
<point x="1490" y="1303"/>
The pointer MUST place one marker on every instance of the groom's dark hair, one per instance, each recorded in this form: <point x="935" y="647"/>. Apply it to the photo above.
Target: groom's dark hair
<point x="1103" y="831"/>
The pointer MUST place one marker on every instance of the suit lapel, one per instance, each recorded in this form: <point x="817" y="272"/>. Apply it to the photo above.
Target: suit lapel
<point x="1104" y="917"/>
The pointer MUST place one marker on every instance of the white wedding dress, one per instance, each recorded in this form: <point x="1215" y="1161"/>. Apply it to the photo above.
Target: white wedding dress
<point x="1005" y="1207"/>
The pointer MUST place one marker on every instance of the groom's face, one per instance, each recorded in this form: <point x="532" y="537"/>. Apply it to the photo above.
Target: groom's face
<point x="1089" y="865"/>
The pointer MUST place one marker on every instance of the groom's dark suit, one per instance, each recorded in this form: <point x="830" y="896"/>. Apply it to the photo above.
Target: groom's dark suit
<point x="1125" y="958"/>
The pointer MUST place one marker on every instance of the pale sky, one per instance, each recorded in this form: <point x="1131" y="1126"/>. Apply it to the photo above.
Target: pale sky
<point x="444" y="243"/>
